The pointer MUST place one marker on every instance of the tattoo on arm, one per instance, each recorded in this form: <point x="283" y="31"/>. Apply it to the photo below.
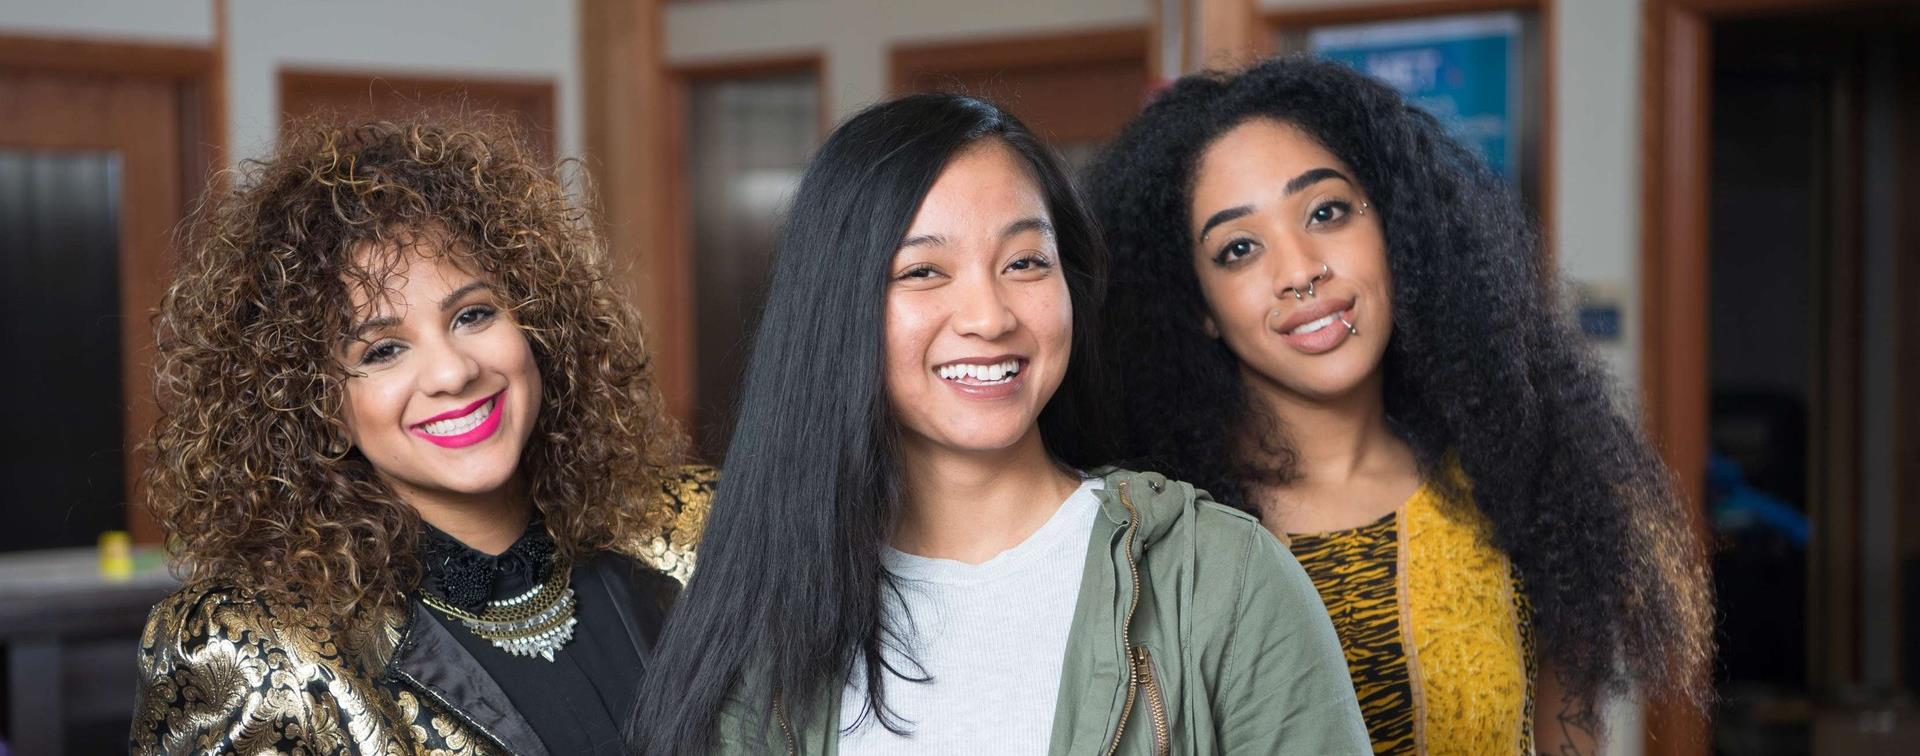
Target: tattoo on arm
<point x="1579" y="727"/>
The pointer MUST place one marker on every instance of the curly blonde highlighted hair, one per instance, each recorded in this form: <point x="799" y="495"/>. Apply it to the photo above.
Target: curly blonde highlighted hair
<point x="253" y="477"/>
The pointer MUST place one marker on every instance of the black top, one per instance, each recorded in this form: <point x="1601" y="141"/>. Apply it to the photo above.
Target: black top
<point x="577" y="703"/>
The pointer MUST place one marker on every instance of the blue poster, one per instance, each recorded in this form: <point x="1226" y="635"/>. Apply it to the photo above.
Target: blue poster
<point x="1465" y="70"/>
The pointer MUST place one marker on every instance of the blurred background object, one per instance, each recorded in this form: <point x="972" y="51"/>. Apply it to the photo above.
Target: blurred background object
<point x="1728" y="185"/>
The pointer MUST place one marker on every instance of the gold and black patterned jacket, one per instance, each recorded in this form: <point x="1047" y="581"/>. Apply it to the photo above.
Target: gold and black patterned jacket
<point x="226" y="670"/>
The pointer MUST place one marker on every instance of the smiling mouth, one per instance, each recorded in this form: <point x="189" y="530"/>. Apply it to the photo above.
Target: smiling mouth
<point x="972" y="374"/>
<point x="460" y="421"/>
<point x="1313" y="326"/>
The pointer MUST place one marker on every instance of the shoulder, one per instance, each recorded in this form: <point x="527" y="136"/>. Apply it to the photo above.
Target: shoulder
<point x="1236" y="561"/>
<point x="1174" y="509"/>
<point x="214" y="622"/>
<point x="226" y="668"/>
<point x="674" y="515"/>
<point x="204" y="613"/>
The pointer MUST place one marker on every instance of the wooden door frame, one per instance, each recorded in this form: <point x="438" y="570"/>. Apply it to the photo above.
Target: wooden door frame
<point x="541" y="91"/>
<point x="1405" y="10"/>
<point x="198" y="78"/>
<point x="1675" y="215"/>
<point x="675" y="266"/>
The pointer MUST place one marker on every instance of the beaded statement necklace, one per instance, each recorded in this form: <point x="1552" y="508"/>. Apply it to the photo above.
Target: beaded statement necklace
<point x="536" y="623"/>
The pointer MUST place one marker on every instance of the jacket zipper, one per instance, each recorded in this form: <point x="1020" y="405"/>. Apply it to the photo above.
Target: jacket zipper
<point x="1156" y="704"/>
<point x="786" y="727"/>
<point x="1140" y="665"/>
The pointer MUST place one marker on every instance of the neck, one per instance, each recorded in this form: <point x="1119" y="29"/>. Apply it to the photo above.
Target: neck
<point x="970" y="505"/>
<point x="488" y="522"/>
<point x="1335" y="439"/>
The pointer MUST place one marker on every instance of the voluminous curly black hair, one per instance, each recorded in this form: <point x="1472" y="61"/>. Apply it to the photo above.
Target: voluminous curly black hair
<point x="1484" y="367"/>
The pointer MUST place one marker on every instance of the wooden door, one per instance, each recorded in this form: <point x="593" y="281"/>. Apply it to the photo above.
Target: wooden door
<point x="148" y="108"/>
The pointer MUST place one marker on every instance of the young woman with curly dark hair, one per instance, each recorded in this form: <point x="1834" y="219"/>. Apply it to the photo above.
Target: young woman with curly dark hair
<point x="411" y="461"/>
<point x="911" y="554"/>
<point x="1341" y="322"/>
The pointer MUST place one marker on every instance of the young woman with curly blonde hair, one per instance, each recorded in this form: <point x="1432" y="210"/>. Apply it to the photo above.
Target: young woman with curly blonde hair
<point x="411" y="461"/>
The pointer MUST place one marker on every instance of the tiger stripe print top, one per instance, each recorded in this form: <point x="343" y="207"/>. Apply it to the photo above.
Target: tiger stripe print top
<point x="1437" y="631"/>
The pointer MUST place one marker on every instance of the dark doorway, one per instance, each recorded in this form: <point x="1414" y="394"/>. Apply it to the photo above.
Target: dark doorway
<point x="1810" y="116"/>
<point x="60" y="318"/>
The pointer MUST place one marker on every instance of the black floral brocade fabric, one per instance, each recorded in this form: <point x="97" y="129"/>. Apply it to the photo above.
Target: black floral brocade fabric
<point x="225" y="669"/>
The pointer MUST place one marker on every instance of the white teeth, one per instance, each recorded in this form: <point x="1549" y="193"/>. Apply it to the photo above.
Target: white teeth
<point x="458" y="425"/>
<point x="1316" y="325"/>
<point x="980" y="373"/>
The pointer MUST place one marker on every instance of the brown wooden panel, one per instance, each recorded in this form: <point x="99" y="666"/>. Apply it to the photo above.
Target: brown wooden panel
<point x="1071" y="88"/>
<point x="353" y="96"/>
<point x="1390" y="11"/>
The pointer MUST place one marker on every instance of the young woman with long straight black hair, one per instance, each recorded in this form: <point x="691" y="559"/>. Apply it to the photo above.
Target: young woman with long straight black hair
<point x="905" y="557"/>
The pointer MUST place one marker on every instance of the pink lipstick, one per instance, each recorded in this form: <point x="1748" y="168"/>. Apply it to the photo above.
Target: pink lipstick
<point x="456" y="433"/>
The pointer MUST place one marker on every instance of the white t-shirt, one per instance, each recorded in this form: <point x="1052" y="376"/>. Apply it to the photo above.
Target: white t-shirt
<point x="992" y="637"/>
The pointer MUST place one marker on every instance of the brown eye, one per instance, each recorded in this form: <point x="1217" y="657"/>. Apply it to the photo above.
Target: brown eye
<point x="1328" y="213"/>
<point x="379" y="353"/>
<point x="1234" y="251"/>
<point x="473" y="315"/>
<point x="1030" y="262"/>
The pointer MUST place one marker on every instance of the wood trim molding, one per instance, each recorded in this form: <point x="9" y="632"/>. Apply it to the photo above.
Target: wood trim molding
<point x="81" y="55"/>
<point x="908" y="62"/>
<point x="628" y="135"/>
<point x="1673" y="283"/>
<point x="1226" y="34"/>
<point x="1390" y="11"/>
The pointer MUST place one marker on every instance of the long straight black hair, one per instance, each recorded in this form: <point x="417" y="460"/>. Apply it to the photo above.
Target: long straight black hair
<point x="787" y="594"/>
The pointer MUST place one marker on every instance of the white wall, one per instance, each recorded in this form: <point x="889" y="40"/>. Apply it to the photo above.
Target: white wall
<point x="527" y="40"/>
<point x="512" y="39"/>
<point x="856" y="36"/>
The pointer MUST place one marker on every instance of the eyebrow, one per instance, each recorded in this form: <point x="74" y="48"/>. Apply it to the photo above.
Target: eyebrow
<point x="1292" y="187"/>
<point x="390" y="321"/>
<point x="1030" y="223"/>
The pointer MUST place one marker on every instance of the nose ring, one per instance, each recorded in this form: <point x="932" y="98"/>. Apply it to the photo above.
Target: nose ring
<point x="1325" y="273"/>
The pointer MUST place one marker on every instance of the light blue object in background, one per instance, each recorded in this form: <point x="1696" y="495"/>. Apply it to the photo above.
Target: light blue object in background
<point x="1465" y="70"/>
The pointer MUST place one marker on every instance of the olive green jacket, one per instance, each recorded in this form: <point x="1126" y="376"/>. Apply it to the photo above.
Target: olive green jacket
<point x="1195" y="633"/>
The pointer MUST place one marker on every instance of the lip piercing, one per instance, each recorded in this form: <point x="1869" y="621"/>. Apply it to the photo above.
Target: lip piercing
<point x="1351" y="331"/>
